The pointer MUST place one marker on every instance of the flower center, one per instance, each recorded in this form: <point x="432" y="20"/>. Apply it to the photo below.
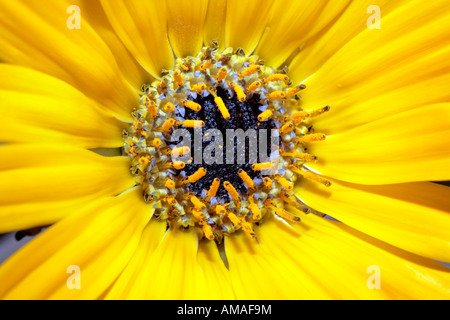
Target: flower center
<point x="226" y="148"/>
<point x="215" y="147"/>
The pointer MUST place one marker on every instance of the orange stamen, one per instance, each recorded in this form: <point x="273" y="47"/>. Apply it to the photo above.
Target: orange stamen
<point x="214" y="187"/>
<point x="265" y="115"/>
<point x="255" y="85"/>
<point x="168" y="124"/>
<point x="231" y="190"/>
<point x="222" y="74"/>
<point x="239" y="92"/>
<point x="169" y="107"/>
<point x="178" y="77"/>
<point x="181" y="151"/>
<point x="200" y="173"/>
<point x="250" y="70"/>
<point x="261" y="166"/>
<point x="255" y="210"/>
<point x="287" y="185"/>
<point x="170" y="184"/>
<point x="192" y="105"/>
<point x="246" y="178"/>
<point x="222" y="108"/>
<point x="285" y="214"/>
<point x="312" y="137"/>
<point x="197" y="203"/>
<point x="277" y="95"/>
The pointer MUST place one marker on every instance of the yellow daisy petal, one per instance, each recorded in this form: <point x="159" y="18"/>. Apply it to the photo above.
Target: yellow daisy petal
<point x="185" y="26"/>
<point x="129" y="67"/>
<point x="212" y="278"/>
<point x="407" y="146"/>
<point x="111" y="231"/>
<point x="390" y="92"/>
<point x="36" y="213"/>
<point x="143" y="30"/>
<point x="292" y="23"/>
<point x="33" y="175"/>
<point x="320" y="48"/>
<point x="320" y="253"/>
<point x="377" y="68"/>
<point x="255" y="274"/>
<point x="215" y="23"/>
<point x="246" y="23"/>
<point x="217" y="278"/>
<point x="160" y="275"/>
<point x="420" y="92"/>
<point x="36" y="107"/>
<point x="150" y="239"/>
<point x="39" y="38"/>
<point x="412" y="216"/>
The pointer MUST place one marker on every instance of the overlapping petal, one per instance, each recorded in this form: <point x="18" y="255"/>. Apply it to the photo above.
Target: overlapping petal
<point x="292" y="23"/>
<point x="246" y="23"/>
<point x="322" y="259"/>
<point x="77" y="56"/>
<point x="42" y="184"/>
<point x="411" y="216"/>
<point x="156" y="273"/>
<point x="36" y="107"/>
<point x="129" y="67"/>
<point x="185" y="21"/>
<point x="143" y="30"/>
<point x="98" y="240"/>
<point x="215" y="22"/>
<point x="380" y="72"/>
<point x="404" y="147"/>
<point x="318" y="49"/>
<point x="125" y="286"/>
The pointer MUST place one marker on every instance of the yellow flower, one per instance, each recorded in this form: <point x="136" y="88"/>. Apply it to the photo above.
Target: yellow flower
<point x="68" y="89"/>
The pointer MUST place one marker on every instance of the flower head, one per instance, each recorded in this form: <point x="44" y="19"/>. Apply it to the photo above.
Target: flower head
<point x="355" y="121"/>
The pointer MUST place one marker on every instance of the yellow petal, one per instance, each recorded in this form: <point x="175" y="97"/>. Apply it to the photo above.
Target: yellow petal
<point x="323" y="259"/>
<point x="60" y="176"/>
<point x="159" y="271"/>
<point x="317" y="50"/>
<point x="185" y="26"/>
<point x="35" y="107"/>
<point x="129" y="67"/>
<point x="142" y="27"/>
<point x="36" y="213"/>
<point x="99" y="240"/>
<point x="411" y="216"/>
<point x="292" y="23"/>
<point x="246" y="22"/>
<point x="151" y="237"/>
<point x="256" y="274"/>
<point x="175" y="270"/>
<point x="38" y="37"/>
<point x="405" y="147"/>
<point x="215" y="22"/>
<point x="426" y="90"/>
<point x="217" y="278"/>
<point x="380" y="72"/>
<point x="171" y="271"/>
<point x="403" y="275"/>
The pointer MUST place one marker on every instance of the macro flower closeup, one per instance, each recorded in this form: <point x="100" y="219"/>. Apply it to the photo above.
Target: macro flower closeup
<point x="356" y="94"/>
